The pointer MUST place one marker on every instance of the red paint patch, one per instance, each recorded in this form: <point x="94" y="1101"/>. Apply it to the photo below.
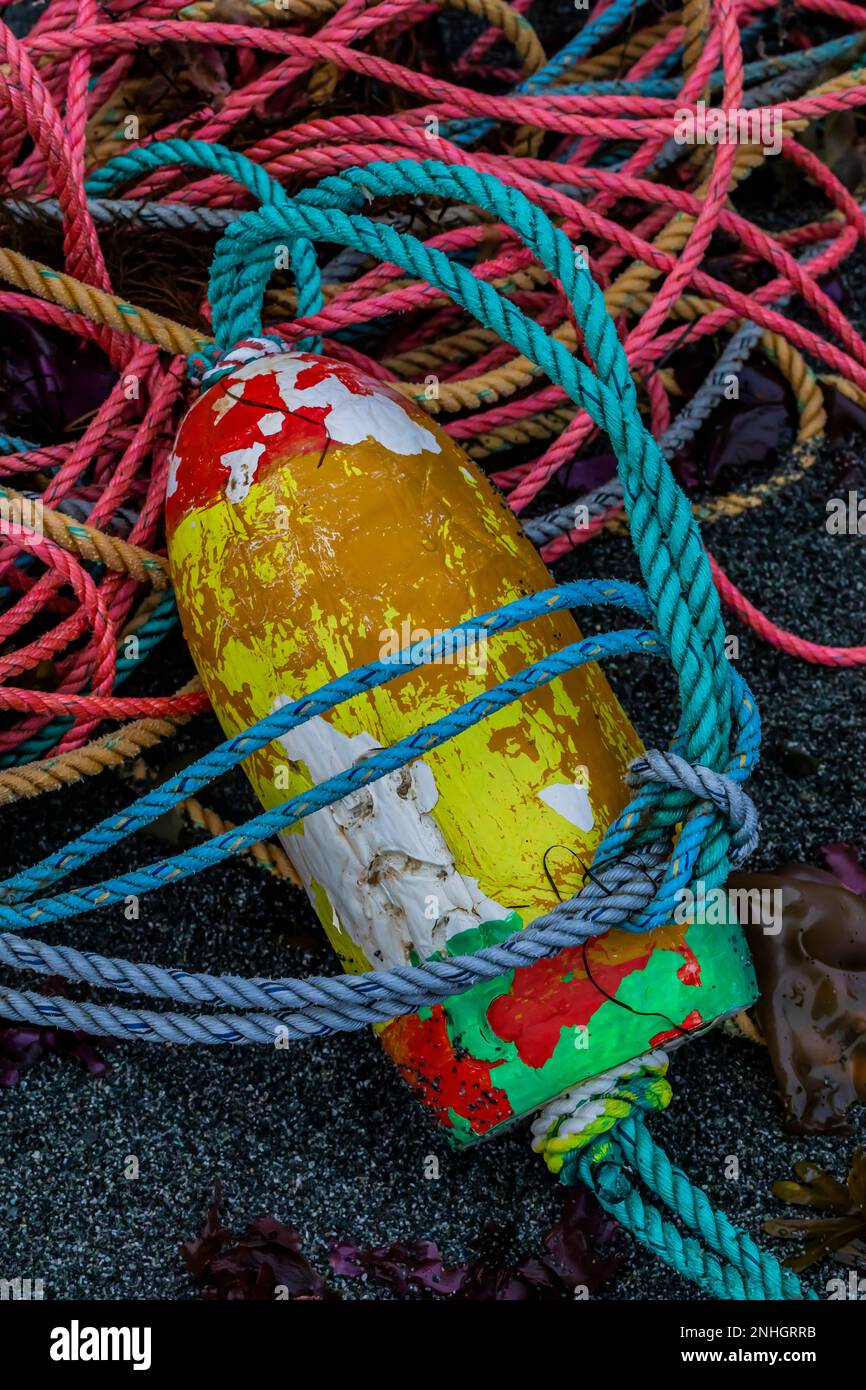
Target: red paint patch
<point x="205" y="436"/>
<point x="690" y="970"/>
<point x="688" y="1025"/>
<point x="322" y="367"/>
<point x="442" y="1079"/>
<point x="540" y="1003"/>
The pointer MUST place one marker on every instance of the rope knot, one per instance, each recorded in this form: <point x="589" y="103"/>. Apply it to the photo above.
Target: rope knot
<point x="611" y="1184"/>
<point x="247" y="350"/>
<point x="702" y="784"/>
<point x="586" y="1115"/>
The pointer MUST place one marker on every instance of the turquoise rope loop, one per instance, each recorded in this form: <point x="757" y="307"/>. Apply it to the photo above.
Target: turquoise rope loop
<point x="666" y="538"/>
<point x="719" y="1257"/>
<point x="691" y="800"/>
<point x="303" y="262"/>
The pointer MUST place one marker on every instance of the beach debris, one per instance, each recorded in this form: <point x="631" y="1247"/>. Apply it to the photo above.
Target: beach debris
<point x="262" y="1263"/>
<point x="265" y="1261"/>
<point x="24" y="1045"/>
<point x="282" y="478"/>
<point x="743" y="432"/>
<point x="811" y="971"/>
<point x="570" y="1265"/>
<point x="842" y="860"/>
<point x="840" y="1234"/>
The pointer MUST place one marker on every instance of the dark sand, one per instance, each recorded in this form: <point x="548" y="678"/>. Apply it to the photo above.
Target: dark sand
<point x="324" y="1135"/>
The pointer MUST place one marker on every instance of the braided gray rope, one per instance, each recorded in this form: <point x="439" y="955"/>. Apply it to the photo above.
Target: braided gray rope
<point x="297" y="1009"/>
<point x="182" y="217"/>
<point x="176" y="217"/>
<point x="694" y="414"/>
<point x="325" y="1004"/>
<point x="703" y="784"/>
<point x="599" y="501"/>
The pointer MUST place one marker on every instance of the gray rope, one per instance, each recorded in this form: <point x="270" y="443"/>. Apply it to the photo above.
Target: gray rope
<point x="295" y="1009"/>
<point x="561" y="520"/>
<point x="182" y="217"/>
<point x="176" y="217"/>
<point x="775" y="90"/>
<point x="324" y="1004"/>
<point x="703" y="784"/>
<point x="694" y="414"/>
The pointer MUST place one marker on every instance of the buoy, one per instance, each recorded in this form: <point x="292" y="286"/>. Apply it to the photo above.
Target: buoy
<point x="318" y="520"/>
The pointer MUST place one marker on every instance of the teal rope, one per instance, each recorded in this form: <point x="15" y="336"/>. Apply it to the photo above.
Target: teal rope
<point x="682" y="597"/>
<point x="14" y="444"/>
<point x="666" y="538"/>
<point x="694" y="1208"/>
<point x="729" y="1264"/>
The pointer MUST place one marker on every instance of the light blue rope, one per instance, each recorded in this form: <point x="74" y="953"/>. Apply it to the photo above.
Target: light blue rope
<point x="328" y="697"/>
<point x="579" y="47"/>
<point x="327" y="1005"/>
<point x="13" y="444"/>
<point x="696" y="786"/>
<point x="680" y="590"/>
<point x="63" y="905"/>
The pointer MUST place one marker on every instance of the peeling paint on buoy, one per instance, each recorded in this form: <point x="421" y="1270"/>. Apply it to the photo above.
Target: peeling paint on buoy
<point x="313" y="514"/>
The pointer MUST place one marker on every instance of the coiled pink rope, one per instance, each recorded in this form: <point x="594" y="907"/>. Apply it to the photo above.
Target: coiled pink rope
<point x="76" y="61"/>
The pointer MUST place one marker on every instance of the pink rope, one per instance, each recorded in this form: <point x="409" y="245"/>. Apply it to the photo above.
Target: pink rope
<point x="75" y="61"/>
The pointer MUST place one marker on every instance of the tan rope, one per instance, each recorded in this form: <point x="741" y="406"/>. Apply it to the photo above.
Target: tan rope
<point x="90" y="543"/>
<point x="97" y="305"/>
<point x="696" y="20"/>
<point x="265" y="853"/>
<point x="111" y="750"/>
<point x="496" y="13"/>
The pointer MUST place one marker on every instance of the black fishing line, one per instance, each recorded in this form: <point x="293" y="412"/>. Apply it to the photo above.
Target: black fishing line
<point x="584" y="950"/>
<point x="296" y="414"/>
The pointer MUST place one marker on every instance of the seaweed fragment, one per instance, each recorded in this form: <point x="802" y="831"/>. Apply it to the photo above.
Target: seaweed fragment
<point x="838" y="1235"/>
<point x="570" y="1262"/>
<point x="812" y="976"/>
<point x="262" y="1263"/>
<point x="26" y="1045"/>
<point x="265" y="1261"/>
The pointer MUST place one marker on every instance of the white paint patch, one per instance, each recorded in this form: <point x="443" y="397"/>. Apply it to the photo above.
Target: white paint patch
<point x="242" y="465"/>
<point x="174" y="462"/>
<point x="272" y="423"/>
<point x="570" y="800"/>
<point x="351" y="418"/>
<point x="222" y="405"/>
<point x="379" y="854"/>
